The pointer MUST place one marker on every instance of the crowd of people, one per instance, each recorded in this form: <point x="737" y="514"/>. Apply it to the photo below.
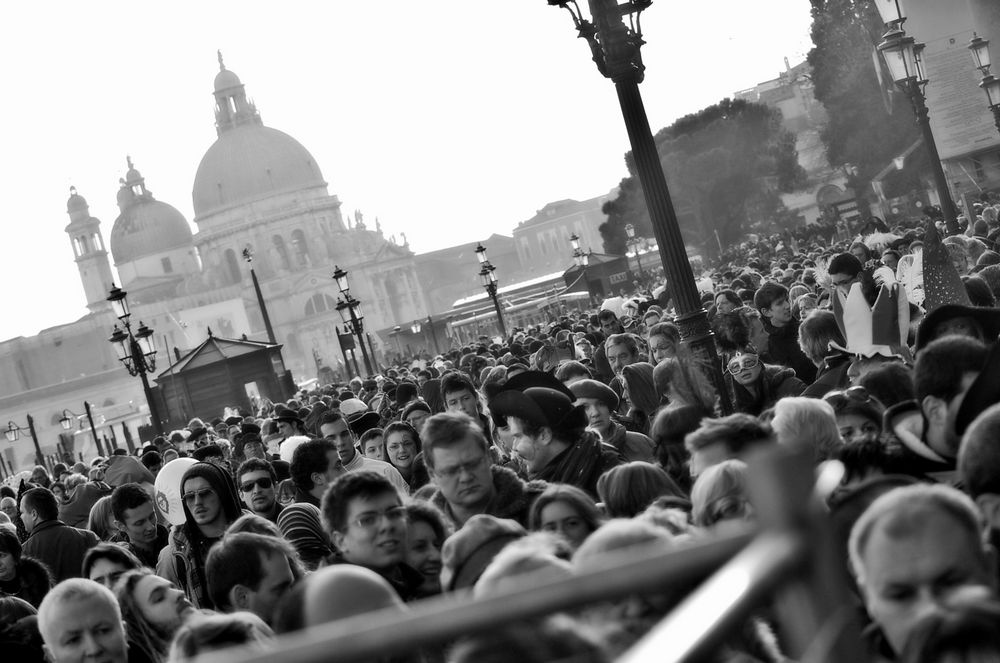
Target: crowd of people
<point x="522" y="460"/>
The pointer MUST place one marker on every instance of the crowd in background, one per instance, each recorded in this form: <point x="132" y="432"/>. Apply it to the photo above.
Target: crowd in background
<point x="520" y="460"/>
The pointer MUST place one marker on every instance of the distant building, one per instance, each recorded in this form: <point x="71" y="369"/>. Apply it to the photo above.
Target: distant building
<point x="791" y="93"/>
<point x="542" y="242"/>
<point x="255" y="187"/>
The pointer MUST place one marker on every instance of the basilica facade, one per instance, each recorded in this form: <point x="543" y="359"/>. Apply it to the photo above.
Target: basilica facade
<point x="257" y="192"/>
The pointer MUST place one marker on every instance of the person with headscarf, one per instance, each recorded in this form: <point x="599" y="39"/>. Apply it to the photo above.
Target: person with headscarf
<point x="640" y="392"/>
<point x="210" y="506"/>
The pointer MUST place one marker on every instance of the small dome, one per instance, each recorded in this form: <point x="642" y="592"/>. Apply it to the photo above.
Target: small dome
<point x="250" y="162"/>
<point x="226" y="79"/>
<point x="76" y="202"/>
<point x="148" y="227"/>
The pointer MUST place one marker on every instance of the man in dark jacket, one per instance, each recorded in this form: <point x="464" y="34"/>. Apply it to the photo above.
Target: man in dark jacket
<point x="551" y="435"/>
<point x="135" y="518"/>
<point x="771" y="299"/>
<point x="51" y="541"/>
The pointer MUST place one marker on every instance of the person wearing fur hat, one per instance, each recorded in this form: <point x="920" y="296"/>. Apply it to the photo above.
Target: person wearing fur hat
<point x="600" y="401"/>
<point x="210" y="506"/>
<point x="551" y="435"/>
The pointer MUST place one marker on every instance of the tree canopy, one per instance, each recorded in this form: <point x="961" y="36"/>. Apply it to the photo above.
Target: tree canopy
<point x="725" y="166"/>
<point x="861" y="131"/>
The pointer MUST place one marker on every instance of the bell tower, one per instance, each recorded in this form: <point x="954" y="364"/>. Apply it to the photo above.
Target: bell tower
<point x="232" y="108"/>
<point x="88" y="248"/>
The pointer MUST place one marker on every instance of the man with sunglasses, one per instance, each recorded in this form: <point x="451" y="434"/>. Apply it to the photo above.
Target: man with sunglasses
<point x="257" y="483"/>
<point x="210" y="506"/>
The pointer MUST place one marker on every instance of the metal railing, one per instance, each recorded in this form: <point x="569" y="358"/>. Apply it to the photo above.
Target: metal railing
<point x="792" y="559"/>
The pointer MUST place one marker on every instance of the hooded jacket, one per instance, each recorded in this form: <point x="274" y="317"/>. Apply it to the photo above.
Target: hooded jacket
<point x="182" y="560"/>
<point x="773" y="384"/>
<point x="512" y="497"/>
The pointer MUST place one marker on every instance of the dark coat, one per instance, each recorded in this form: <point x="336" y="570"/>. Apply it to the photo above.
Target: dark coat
<point x="831" y="377"/>
<point x="512" y="498"/>
<point x="60" y="547"/>
<point x="783" y="348"/>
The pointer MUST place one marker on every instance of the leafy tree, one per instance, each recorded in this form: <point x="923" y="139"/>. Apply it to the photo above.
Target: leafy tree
<point x="725" y="166"/>
<point x="870" y="123"/>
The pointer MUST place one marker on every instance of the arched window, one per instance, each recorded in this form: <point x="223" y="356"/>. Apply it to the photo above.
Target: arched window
<point x="282" y="250"/>
<point x="300" y="248"/>
<point x="232" y="267"/>
<point x="320" y="303"/>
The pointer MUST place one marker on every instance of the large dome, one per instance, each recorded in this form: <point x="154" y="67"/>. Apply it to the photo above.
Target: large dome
<point x="250" y="162"/>
<point x="148" y="227"/>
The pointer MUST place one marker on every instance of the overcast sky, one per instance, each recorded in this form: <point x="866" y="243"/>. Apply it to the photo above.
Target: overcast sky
<point x="447" y="120"/>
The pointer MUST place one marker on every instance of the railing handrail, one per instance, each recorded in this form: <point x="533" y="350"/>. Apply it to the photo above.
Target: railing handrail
<point x="641" y="569"/>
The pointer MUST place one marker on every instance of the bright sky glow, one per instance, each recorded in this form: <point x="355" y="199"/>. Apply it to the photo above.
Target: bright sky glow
<point x="448" y="120"/>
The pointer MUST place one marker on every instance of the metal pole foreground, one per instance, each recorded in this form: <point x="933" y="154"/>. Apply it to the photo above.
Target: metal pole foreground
<point x="948" y="210"/>
<point x="377" y="634"/>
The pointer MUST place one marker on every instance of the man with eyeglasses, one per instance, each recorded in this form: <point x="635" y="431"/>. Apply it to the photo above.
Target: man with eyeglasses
<point x="257" y="481"/>
<point x="368" y="526"/>
<point x="457" y="455"/>
<point x="210" y="506"/>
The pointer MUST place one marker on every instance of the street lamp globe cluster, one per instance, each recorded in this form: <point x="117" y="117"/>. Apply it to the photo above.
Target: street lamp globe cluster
<point x="351" y="314"/>
<point x="903" y="57"/>
<point x="489" y="280"/>
<point x="136" y="351"/>
<point x="991" y="84"/>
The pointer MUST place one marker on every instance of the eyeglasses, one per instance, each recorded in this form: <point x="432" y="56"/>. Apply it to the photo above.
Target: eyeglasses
<point x="839" y="399"/>
<point x="469" y="467"/>
<point x="742" y="363"/>
<point x="371" y="519"/>
<point x="204" y="493"/>
<point x="263" y="483"/>
<point x="843" y="283"/>
<point x="399" y="446"/>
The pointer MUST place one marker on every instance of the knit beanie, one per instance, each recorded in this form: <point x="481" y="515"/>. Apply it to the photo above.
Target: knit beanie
<point x="300" y="524"/>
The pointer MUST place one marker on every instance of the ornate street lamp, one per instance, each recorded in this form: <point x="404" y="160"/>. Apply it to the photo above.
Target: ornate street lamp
<point x="415" y="327"/>
<point x="615" y="48"/>
<point x="136" y="351"/>
<point x="13" y="432"/>
<point x="66" y="422"/>
<point x="248" y="256"/>
<point x="904" y="58"/>
<point x="489" y="281"/>
<point x="634" y="243"/>
<point x="991" y="84"/>
<point x="351" y="314"/>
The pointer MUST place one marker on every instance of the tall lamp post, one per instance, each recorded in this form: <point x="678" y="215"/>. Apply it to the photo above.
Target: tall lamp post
<point x="434" y="338"/>
<point x="248" y="256"/>
<point x="415" y="328"/>
<point x="66" y="422"/>
<point x="904" y="58"/>
<point x="489" y="279"/>
<point x="136" y="351"/>
<point x="14" y="431"/>
<point x="616" y="51"/>
<point x="633" y="243"/>
<point x="396" y="331"/>
<point x="580" y="258"/>
<point x="991" y="84"/>
<point x="350" y="312"/>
